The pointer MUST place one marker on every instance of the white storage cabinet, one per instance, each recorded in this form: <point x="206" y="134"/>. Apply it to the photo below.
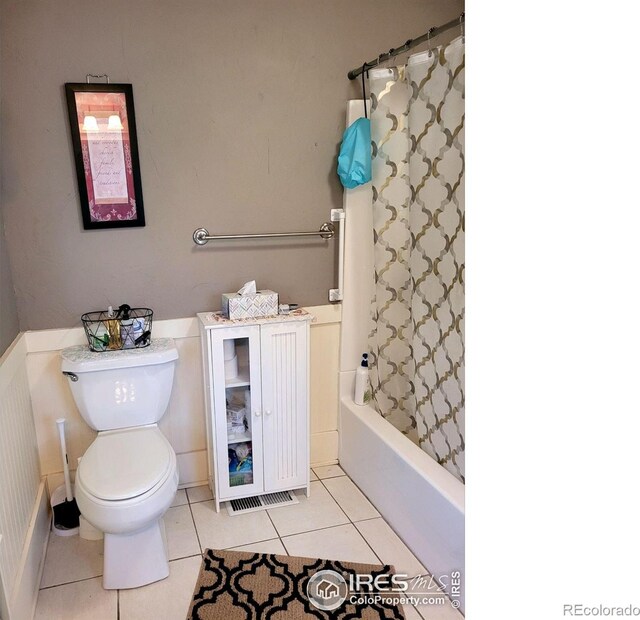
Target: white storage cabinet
<point x="257" y="403"/>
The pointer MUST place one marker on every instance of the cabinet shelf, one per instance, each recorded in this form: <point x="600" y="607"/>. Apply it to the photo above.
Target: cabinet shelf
<point x="240" y="380"/>
<point x="231" y="439"/>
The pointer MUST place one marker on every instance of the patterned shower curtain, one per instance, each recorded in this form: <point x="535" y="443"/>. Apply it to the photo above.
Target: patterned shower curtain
<point x="417" y="337"/>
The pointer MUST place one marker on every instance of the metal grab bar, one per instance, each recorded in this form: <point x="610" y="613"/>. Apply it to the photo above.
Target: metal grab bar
<point x="201" y="235"/>
<point x="336" y="294"/>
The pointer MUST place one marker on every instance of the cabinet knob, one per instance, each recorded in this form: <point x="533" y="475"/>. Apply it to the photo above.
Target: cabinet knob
<point x="268" y="412"/>
<point x="257" y="414"/>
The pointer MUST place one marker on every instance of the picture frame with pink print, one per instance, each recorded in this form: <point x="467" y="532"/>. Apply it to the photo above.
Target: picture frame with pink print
<point x="105" y="148"/>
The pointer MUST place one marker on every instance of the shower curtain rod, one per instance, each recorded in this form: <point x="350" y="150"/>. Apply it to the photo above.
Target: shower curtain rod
<point x="410" y="44"/>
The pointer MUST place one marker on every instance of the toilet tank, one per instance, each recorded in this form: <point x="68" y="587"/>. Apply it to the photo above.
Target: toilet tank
<point x="120" y="389"/>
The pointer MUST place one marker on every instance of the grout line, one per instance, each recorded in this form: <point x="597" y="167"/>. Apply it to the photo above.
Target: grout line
<point x="285" y="547"/>
<point x="255" y="542"/>
<point x="336" y="501"/>
<point x="370" y="547"/>
<point x="195" y="527"/>
<point x="353" y="523"/>
<point x="174" y="505"/>
<point x="184" y="557"/>
<point x="370" y="519"/>
<point x="273" y="525"/>
<point x="361" y="492"/>
<point x="277" y="532"/>
<point x="318" y="529"/>
<point x="329" y="477"/>
<point x="209" y="499"/>
<point x="118" y="604"/>
<point x="417" y="611"/>
<point x="66" y="583"/>
<point x="202" y="501"/>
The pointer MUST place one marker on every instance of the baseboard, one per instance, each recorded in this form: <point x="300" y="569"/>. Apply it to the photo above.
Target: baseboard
<point x="22" y="602"/>
<point x="324" y="448"/>
<point x="325" y="463"/>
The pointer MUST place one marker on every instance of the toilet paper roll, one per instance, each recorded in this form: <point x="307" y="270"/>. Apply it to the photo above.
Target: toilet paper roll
<point x="229" y="349"/>
<point x="231" y="367"/>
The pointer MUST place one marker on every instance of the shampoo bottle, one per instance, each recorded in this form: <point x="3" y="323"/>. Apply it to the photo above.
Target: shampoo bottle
<point x="362" y="379"/>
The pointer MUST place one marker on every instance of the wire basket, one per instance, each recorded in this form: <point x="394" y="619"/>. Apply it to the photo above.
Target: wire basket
<point x="112" y="333"/>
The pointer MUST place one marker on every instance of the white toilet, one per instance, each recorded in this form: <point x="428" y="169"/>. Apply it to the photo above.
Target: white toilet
<point x="128" y="477"/>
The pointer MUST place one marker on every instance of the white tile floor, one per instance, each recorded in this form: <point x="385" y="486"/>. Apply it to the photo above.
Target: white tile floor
<point x="336" y="522"/>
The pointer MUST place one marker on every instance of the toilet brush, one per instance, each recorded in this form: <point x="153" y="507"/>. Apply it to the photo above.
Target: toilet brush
<point x="66" y="516"/>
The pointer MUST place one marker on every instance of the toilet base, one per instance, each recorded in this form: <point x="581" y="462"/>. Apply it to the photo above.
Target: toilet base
<point x="137" y="559"/>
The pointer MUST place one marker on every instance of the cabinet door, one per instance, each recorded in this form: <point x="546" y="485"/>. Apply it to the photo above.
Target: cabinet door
<point x="237" y="411"/>
<point x="285" y="405"/>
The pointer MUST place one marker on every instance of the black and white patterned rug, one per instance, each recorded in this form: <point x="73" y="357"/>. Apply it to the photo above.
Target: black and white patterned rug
<point x="234" y="585"/>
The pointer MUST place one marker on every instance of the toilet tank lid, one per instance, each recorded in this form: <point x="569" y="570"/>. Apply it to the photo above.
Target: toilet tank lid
<point x="81" y="359"/>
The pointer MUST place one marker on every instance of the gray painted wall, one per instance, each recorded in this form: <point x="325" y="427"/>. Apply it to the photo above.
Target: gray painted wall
<point x="240" y="109"/>
<point x="8" y="311"/>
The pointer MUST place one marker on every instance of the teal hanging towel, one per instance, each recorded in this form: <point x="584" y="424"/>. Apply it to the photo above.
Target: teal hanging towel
<point x="354" y="160"/>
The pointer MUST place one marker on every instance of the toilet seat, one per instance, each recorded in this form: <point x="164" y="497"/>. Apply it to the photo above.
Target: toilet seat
<point x="124" y="464"/>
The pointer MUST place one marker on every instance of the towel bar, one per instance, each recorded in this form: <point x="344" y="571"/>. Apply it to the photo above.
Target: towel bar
<point x="201" y="235"/>
<point x="327" y="231"/>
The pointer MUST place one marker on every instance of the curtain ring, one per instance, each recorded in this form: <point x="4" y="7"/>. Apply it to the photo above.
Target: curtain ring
<point x="429" y="42"/>
<point x="462" y="26"/>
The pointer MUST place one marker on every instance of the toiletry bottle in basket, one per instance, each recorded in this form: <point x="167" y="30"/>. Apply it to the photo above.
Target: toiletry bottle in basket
<point x="113" y="327"/>
<point x="138" y="330"/>
<point x="126" y="327"/>
<point x="100" y="338"/>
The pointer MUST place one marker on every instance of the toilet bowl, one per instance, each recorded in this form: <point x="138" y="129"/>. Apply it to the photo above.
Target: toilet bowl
<point x="124" y="493"/>
<point x="128" y="477"/>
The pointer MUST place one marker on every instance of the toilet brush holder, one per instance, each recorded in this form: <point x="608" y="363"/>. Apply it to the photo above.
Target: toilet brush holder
<point x="66" y="514"/>
<point x="58" y="497"/>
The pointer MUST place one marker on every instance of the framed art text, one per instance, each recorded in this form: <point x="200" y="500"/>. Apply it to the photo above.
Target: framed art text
<point x="105" y="147"/>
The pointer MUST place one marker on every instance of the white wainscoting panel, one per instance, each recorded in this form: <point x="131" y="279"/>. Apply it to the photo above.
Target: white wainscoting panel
<point x="21" y="491"/>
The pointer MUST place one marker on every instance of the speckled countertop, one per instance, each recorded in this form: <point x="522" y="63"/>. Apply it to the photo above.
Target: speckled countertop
<point x="211" y="320"/>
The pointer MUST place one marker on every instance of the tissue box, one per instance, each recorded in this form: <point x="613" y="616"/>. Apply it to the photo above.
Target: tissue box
<point x="263" y="303"/>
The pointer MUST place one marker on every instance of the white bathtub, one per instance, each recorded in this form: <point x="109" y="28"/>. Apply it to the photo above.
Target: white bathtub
<point x="420" y="499"/>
